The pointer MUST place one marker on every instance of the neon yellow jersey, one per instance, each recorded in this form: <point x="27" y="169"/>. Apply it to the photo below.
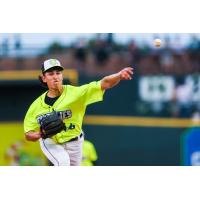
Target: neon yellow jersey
<point x="71" y="105"/>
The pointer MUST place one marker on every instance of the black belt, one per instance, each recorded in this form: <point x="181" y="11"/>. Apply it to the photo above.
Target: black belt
<point x="76" y="138"/>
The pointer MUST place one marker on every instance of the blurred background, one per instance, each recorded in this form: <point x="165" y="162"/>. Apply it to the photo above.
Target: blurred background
<point x="151" y="120"/>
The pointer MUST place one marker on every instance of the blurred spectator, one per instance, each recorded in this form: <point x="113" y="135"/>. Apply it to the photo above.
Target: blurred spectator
<point x="80" y="47"/>
<point x="89" y="156"/>
<point x="18" y="53"/>
<point x="194" y="45"/>
<point x="182" y="99"/>
<point x="110" y="38"/>
<point x="101" y="51"/>
<point x="166" y="57"/>
<point x="5" y="47"/>
<point x="18" y="44"/>
<point x="80" y="54"/>
<point x="134" y="52"/>
<point x="55" y="47"/>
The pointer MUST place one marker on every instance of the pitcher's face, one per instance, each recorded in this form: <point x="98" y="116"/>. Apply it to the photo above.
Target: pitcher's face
<point x="53" y="78"/>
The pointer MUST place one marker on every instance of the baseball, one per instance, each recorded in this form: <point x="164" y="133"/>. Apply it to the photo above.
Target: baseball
<point x="157" y="42"/>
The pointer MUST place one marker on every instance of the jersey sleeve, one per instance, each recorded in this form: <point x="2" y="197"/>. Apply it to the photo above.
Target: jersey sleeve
<point x="30" y="122"/>
<point x="92" y="92"/>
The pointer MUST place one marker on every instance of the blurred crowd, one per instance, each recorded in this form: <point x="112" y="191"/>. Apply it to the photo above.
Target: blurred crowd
<point x="103" y="55"/>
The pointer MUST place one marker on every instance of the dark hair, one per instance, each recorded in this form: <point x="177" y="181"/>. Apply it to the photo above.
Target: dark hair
<point x="42" y="82"/>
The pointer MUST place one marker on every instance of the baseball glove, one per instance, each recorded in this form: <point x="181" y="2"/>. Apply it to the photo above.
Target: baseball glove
<point x="51" y="124"/>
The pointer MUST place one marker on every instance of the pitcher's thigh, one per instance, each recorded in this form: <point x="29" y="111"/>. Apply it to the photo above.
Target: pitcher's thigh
<point x="56" y="153"/>
<point x="75" y="152"/>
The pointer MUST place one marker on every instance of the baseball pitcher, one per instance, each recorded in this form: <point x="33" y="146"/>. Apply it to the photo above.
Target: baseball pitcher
<point x="55" y="118"/>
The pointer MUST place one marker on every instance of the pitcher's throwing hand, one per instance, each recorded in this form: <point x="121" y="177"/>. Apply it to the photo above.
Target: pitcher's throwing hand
<point x="126" y="73"/>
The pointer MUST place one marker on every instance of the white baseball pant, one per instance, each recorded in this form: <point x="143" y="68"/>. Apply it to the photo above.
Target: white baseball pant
<point x="66" y="154"/>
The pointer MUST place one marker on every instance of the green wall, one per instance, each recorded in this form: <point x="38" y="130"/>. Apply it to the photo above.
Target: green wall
<point x="130" y="146"/>
<point x="115" y="145"/>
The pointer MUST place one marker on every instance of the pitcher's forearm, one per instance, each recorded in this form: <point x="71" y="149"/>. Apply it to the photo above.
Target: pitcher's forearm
<point x="110" y="81"/>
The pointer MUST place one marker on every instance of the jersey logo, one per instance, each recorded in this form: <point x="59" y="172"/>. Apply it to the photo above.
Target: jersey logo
<point x="63" y="115"/>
